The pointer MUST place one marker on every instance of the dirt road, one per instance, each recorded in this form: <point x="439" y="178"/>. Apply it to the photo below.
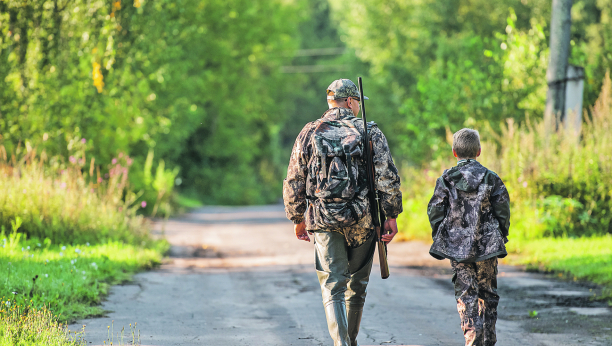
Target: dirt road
<point x="238" y="276"/>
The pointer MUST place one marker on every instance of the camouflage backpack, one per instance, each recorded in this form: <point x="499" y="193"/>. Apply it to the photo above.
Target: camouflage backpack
<point x="337" y="152"/>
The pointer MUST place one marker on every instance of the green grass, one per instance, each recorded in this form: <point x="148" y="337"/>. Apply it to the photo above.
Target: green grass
<point x="69" y="279"/>
<point x="588" y="258"/>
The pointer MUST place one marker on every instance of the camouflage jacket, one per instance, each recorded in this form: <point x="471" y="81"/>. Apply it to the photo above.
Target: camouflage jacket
<point x="469" y="214"/>
<point x="297" y="192"/>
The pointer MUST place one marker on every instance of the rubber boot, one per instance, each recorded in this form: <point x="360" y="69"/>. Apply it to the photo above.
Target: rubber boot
<point x="360" y="266"/>
<point x="335" y="312"/>
<point x="354" y="320"/>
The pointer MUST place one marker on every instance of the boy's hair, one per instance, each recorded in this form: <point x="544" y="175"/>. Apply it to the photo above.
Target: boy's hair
<point x="466" y="143"/>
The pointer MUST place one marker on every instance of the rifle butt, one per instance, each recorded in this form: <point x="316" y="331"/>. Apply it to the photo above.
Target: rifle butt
<point x="382" y="255"/>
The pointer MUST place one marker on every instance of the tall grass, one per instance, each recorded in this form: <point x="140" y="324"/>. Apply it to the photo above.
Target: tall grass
<point x="68" y="230"/>
<point x="560" y="183"/>
<point x="67" y="202"/>
<point x="28" y="325"/>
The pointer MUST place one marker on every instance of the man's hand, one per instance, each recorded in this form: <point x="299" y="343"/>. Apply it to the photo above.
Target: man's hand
<point x="301" y="233"/>
<point x="390" y="226"/>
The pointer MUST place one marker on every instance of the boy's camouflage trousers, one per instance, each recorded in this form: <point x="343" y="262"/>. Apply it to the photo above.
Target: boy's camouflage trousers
<point x="477" y="299"/>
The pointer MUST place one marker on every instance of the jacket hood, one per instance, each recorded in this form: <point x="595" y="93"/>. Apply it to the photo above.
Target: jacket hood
<point x="466" y="176"/>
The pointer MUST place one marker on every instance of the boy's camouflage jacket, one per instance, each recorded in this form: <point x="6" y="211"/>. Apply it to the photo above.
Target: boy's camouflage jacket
<point x="295" y="193"/>
<point x="469" y="214"/>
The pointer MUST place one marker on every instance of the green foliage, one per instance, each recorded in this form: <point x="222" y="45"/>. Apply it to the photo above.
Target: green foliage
<point x="65" y="202"/>
<point x="198" y="81"/>
<point x="564" y="175"/>
<point x="474" y="80"/>
<point x="450" y="64"/>
<point x="559" y="183"/>
<point x="66" y="234"/>
<point x="563" y="216"/>
<point x="591" y="44"/>
<point x="70" y="280"/>
<point x="157" y="189"/>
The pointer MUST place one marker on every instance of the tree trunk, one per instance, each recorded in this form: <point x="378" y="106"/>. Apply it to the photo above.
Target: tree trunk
<point x="560" y="25"/>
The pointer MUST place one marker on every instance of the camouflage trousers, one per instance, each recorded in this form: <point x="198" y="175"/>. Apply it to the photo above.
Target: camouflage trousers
<point x="477" y="299"/>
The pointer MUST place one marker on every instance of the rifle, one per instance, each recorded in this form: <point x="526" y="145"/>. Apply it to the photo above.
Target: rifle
<point x="378" y="214"/>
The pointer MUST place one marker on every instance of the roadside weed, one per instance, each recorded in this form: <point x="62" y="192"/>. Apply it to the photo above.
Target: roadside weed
<point x="25" y="324"/>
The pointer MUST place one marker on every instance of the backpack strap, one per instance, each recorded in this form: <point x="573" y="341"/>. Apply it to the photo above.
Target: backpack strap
<point x="349" y="163"/>
<point x="324" y="161"/>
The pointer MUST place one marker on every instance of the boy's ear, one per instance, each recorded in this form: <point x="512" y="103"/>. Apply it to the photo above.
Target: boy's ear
<point x="479" y="150"/>
<point x="455" y="153"/>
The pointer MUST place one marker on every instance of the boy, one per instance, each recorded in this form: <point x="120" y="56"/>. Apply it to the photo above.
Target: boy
<point x="470" y="217"/>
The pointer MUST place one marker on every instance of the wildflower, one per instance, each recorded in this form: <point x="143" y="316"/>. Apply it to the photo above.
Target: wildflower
<point x="143" y="204"/>
<point x="83" y="140"/>
<point x="61" y="254"/>
<point x="38" y="244"/>
<point x="72" y="159"/>
<point x="8" y="303"/>
<point x="22" y="249"/>
<point x="77" y="250"/>
<point x="28" y="248"/>
<point x="46" y="275"/>
<point x="99" y="180"/>
<point x="98" y="78"/>
<point x="525" y="184"/>
<point x="87" y="243"/>
<point x="114" y="161"/>
<point x="24" y="191"/>
<point x="63" y="185"/>
<point x="47" y="261"/>
<point x="83" y="272"/>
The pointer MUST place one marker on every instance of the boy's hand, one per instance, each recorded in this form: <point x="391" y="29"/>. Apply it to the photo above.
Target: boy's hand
<point x="390" y="226"/>
<point x="300" y="231"/>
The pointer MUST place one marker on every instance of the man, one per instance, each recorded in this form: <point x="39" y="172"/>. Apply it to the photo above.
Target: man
<point x="325" y="194"/>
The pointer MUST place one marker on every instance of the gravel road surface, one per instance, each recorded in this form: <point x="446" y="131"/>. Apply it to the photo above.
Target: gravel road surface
<point x="238" y="276"/>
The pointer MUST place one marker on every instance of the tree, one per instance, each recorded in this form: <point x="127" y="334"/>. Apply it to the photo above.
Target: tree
<point x="560" y="27"/>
